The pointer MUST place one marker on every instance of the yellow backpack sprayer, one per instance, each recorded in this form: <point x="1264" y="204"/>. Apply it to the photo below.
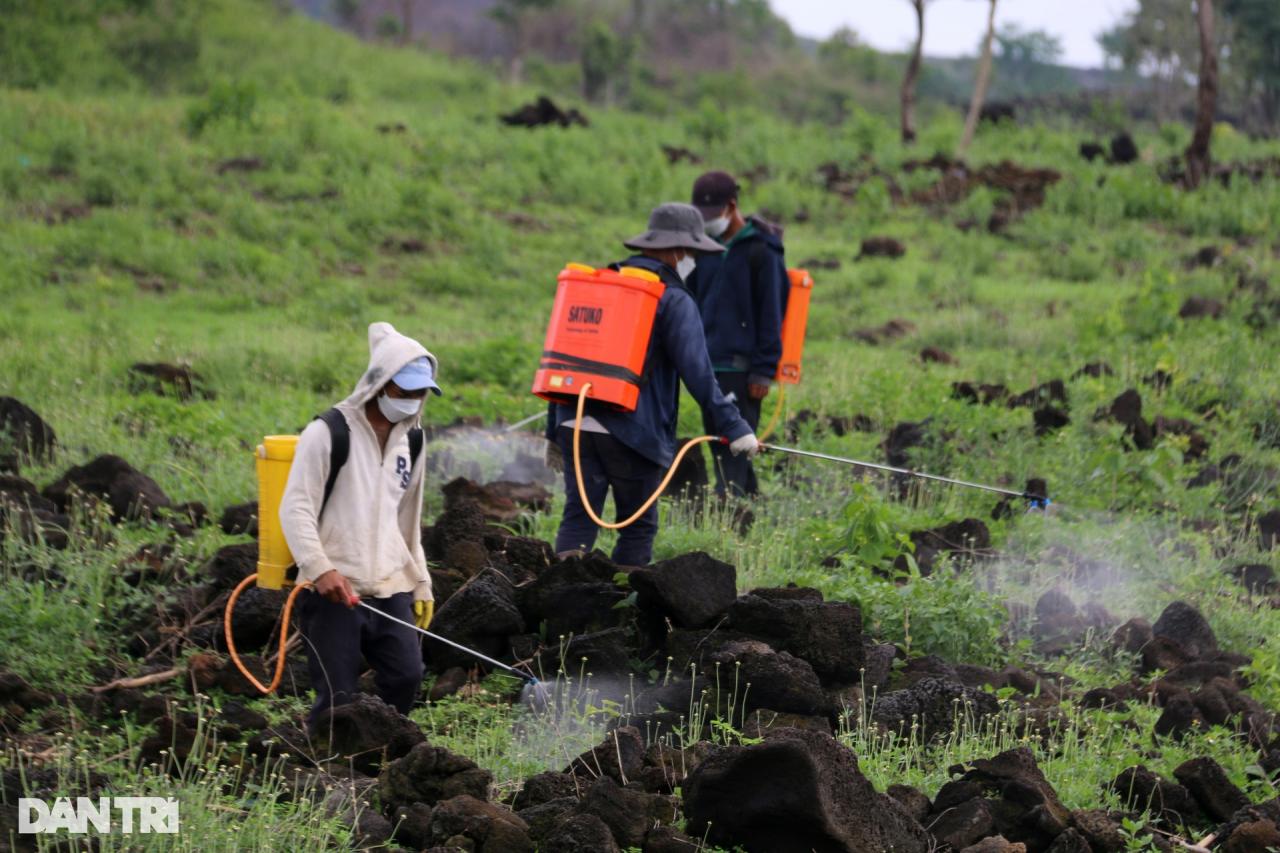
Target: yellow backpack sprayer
<point x="276" y="568"/>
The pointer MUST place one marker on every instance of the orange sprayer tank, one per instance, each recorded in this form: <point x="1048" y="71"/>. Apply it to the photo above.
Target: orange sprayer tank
<point x="794" y="325"/>
<point x="599" y="333"/>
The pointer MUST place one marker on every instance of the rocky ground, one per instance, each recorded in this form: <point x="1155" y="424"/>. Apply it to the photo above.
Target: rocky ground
<point x="781" y="670"/>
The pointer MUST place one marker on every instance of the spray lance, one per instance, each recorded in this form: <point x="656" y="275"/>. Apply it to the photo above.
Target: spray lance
<point x="1036" y="501"/>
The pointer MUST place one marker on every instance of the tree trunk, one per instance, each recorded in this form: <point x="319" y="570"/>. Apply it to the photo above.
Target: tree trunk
<point x="406" y="21"/>
<point x="1198" y="163"/>
<point x="979" y="86"/>
<point x="912" y="76"/>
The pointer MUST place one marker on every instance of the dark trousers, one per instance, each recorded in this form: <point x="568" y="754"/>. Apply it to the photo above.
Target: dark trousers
<point x="608" y="464"/>
<point x="734" y="474"/>
<point x="338" y="639"/>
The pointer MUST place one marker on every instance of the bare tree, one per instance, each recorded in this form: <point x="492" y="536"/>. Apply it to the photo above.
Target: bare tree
<point x="979" y="85"/>
<point x="912" y="76"/>
<point x="1198" y="162"/>
<point x="406" y="21"/>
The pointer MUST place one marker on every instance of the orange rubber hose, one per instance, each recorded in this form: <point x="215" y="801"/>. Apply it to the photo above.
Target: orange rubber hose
<point x="582" y="486"/>
<point x="284" y="633"/>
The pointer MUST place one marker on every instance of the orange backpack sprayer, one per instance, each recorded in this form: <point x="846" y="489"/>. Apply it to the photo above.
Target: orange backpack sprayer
<point x="795" y="325"/>
<point x="596" y="343"/>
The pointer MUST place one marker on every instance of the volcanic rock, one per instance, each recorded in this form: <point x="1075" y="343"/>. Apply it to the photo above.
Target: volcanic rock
<point x="1209" y="785"/>
<point x="130" y="493"/>
<point x="935" y="355"/>
<point x="692" y="590"/>
<point x="1049" y="419"/>
<point x="628" y="814"/>
<point x="1185" y="625"/>
<point x="231" y="564"/>
<point x="1200" y="306"/>
<point x="480" y="616"/>
<point x="28" y="433"/>
<point x="545" y="787"/>
<point x="975" y="392"/>
<point x="620" y="757"/>
<point x="934" y="703"/>
<point x="490" y="828"/>
<point x="165" y="380"/>
<point x="1123" y="149"/>
<point x="580" y="833"/>
<point x="964" y="824"/>
<point x="1053" y="391"/>
<point x="826" y="635"/>
<point x="428" y="774"/>
<point x="1126" y="410"/>
<point x="574" y="596"/>
<point x="367" y="731"/>
<point x="240" y="519"/>
<point x="798" y="791"/>
<point x="765" y="678"/>
<point x="666" y="839"/>
<point x="1092" y="151"/>
<point x="1169" y="802"/>
<point x="890" y="331"/>
<point x="1258" y="578"/>
<point x="502" y="502"/>
<point x="882" y="247"/>
<point x="1071" y="841"/>
<point x="913" y="801"/>
<point x="1269" y="530"/>
<point x="542" y="112"/>
<point x="964" y="541"/>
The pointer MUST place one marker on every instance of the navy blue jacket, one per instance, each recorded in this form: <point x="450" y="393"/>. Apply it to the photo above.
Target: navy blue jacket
<point x="742" y="294"/>
<point x="677" y="351"/>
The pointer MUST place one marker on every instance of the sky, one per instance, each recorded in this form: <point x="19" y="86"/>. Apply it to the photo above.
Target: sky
<point x="954" y="27"/>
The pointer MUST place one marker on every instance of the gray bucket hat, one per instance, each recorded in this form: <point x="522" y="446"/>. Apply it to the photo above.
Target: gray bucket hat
<point x="675" y="226"/>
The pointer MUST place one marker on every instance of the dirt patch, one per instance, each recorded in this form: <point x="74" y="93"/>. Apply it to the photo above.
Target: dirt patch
<point x="544" y="112"/>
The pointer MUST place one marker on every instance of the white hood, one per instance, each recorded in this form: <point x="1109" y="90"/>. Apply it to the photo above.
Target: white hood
<point x="389" y="351"/>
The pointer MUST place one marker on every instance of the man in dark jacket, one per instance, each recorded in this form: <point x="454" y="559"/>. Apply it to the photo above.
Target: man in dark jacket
<point x="742" y="293"/>
<point x="630" y="451"/>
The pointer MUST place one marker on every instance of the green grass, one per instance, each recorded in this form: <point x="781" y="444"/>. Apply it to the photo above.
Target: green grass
<point x="265" y="280"/>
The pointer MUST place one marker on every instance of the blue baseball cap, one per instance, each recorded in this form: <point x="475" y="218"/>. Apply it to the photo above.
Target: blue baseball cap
<point x="416" y="375"/>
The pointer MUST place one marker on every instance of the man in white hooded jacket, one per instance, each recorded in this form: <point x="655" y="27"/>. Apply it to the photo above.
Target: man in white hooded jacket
<point x="365" y="539"/>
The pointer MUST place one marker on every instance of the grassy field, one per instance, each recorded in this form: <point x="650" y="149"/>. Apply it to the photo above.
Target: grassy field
<point x="377" y="184"/>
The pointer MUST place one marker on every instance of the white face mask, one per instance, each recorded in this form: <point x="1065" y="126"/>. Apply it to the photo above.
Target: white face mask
<point x="396" y="409"/>
<point x="717" y="226"/>
<point x="684" y="267"/>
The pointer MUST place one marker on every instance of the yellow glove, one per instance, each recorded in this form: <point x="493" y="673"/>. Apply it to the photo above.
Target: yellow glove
<point x="422" y="613"/>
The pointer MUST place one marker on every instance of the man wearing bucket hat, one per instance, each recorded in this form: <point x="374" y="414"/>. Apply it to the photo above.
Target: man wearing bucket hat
<point x="741" y="290"/>
<point x="352" y="515"/>
<point x="629" y="452"/>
